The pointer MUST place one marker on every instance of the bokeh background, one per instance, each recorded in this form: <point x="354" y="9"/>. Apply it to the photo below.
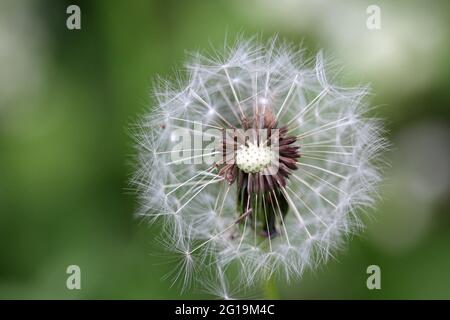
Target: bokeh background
<point x="68" y="97"/>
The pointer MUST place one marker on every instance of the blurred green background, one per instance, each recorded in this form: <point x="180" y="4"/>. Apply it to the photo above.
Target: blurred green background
<point x="68" y="97"/>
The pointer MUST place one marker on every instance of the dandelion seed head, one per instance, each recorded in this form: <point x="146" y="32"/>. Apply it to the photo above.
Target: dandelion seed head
<point x="266" y="205"/>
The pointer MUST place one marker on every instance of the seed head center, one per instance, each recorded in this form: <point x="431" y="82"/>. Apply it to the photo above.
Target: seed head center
<point x="254" y="158"/>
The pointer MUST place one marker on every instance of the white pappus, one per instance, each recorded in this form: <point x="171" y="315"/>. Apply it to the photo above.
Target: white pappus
<point x="238" y="218"/>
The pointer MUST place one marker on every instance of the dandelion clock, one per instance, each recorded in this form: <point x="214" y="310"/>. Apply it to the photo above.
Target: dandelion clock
<point x="256" y="165"/>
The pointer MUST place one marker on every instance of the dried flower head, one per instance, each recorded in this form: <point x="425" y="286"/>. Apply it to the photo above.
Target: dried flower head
<point x="256" y="164"/>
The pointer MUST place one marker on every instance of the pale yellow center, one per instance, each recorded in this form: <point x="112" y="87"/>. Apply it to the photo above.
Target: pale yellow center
<point x="253" y="158"/>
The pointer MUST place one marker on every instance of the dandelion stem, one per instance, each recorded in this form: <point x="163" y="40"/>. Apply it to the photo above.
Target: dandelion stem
<point x="270" y="289"/>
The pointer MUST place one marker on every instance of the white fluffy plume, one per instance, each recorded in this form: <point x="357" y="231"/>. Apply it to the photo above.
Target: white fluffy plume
<point x="336" y="176"/>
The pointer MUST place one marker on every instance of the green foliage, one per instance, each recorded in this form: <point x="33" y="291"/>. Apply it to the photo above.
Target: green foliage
<point x="65" y="155"/>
